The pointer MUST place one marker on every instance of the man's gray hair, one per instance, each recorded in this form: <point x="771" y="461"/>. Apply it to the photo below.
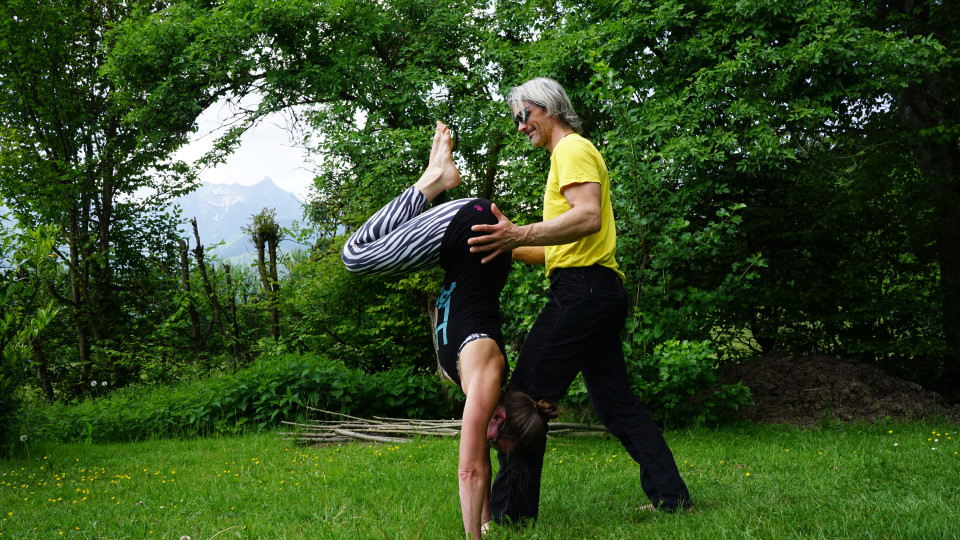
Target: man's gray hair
<point x="548" y="94"/>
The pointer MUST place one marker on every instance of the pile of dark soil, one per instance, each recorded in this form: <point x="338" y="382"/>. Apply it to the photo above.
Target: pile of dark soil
<point x="806" y="390"/>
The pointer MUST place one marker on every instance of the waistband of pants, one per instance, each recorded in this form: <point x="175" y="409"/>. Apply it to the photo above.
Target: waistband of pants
<point x="596" y="270"/>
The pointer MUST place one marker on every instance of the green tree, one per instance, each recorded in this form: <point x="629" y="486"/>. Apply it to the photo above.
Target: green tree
<point x="375" y="78"/>
<point x="783" y="126"/>
<point x="778" y="178"/>
<point x="266" y="234"/>
<point x="71" y="158"/>
<point x="368" y="322"/>
<point x="928" y="110"/>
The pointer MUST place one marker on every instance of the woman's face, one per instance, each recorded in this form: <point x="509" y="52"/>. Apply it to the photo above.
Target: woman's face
<point x="494" y="427"/>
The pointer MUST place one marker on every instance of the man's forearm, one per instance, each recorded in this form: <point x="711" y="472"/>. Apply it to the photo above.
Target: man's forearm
<point x="566" y="228"/>
<point x="581" y="220"/>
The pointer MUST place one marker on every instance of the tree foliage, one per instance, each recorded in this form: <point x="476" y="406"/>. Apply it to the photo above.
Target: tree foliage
<point x="768" y="159"/>
<point x="796" y="113"/>
<point x="785" y="123"/>
<point x="70" y="158"/>
<point x="24" y="255"/>
<point x="784" y="174"/>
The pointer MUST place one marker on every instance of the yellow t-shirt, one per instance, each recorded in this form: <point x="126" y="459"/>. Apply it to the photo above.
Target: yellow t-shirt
<point x="575" y="160"/>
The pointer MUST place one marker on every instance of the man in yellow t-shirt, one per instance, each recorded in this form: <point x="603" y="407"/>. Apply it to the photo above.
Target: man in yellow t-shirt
<point x="575" y="161"/>
<point x="578" y="330"/>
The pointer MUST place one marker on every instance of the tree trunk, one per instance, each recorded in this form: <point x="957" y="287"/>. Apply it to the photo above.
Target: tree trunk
<point x="274" y="290"/>
<point x="924" y="109"/>
<point x="236" y="344"/>
<point x="261" y="246"/>
<point x="43" y="375"/>
<point x="265" y="234"/>
<point x="207" y="285"/>
<point x="251" y="322"/>
<point x="98" y="196"/>
<point x="196" y="338"/>
<point x="77" y="296"/>
<point x="493" y="166"/>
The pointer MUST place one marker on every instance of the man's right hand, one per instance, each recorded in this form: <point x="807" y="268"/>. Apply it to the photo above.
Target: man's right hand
<point x="502" y="237"/>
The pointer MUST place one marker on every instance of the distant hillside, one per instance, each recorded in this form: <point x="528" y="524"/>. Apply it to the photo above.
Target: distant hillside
<point x="222" y="210"/>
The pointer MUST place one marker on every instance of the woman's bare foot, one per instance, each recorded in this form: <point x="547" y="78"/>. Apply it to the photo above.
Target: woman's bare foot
<point x="441" y="173"/>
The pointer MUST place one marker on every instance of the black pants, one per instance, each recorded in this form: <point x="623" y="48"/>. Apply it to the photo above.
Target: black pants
<point x="579" y="331"/>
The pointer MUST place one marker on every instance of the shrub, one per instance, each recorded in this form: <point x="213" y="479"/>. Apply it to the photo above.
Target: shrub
<point x="259" y="397"/>
<point x="371" y="323"/>
<point x="24" y="311"/>
<point x="678" y="383"/>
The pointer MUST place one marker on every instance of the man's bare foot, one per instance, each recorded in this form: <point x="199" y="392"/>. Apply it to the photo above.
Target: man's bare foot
<point x="441" y="173"/>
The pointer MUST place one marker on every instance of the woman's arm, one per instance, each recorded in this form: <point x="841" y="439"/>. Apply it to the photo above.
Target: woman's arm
<point x="530" y="255"/>
<point x="481" y="366"/>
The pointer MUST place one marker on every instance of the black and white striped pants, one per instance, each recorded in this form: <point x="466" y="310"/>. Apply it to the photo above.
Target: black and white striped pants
<point x="398" y="239"/>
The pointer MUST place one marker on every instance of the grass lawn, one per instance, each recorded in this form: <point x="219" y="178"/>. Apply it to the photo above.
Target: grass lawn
<point x="860" y="481"/>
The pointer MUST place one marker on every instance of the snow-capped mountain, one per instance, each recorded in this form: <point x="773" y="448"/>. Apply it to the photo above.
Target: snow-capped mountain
<point x="222" y="210"/>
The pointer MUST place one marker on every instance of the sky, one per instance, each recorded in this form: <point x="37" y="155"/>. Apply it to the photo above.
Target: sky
<point x="265" y="150"/>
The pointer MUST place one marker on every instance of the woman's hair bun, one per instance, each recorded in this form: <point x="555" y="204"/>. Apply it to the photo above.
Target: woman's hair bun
<point x="547" y="410"/>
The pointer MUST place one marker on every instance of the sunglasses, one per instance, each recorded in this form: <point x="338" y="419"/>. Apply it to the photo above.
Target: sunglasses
<point x="521" y="117"/>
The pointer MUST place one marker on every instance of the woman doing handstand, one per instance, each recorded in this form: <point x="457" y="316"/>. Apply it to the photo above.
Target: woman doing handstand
<point x="399" y="239"/>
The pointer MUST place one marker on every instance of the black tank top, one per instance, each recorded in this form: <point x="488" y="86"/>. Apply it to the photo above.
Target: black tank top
<point x="469" y="301"/>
